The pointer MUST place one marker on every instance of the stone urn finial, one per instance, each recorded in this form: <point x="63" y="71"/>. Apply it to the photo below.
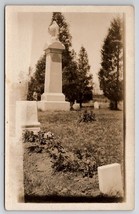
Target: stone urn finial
<point x="53" y="30"/>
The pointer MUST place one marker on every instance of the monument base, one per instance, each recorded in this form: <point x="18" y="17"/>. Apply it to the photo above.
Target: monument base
<point x="31" y="127"/>
<point x="53" y="105"/>
<point x="53" y="97"/>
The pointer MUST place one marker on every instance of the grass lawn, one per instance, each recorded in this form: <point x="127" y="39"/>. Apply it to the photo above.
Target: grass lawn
<point x="102" y="139"/>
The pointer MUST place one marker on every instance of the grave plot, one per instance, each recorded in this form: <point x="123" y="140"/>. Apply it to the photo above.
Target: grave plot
<point x="64" y="166"/>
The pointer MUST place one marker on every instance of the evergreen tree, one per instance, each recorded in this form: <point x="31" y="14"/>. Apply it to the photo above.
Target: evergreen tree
<point x="70" y="80"/>
<point x="36" y="83"/>
<point x="110" y="74"/>
<point x="84" y="84"/>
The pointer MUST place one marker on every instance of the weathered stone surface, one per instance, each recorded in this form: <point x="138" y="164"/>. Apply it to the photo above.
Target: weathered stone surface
<point x="27" y="116"/>
<point x="110" y="179"/>
<point x="53" y="105"/>
<point x="53" y="97"/>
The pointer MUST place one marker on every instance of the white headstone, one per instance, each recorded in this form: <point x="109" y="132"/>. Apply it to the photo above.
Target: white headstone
<point x="96" y="105"/>
<point x="27" y="116"/>
<point x="120" y="105"/>
<point x="76" y="106"/>
<point x="110" y="179"/>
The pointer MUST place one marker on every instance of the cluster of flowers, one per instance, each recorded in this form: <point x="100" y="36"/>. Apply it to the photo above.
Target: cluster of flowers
<point x="80" y="160"/>
<point x="41" y="137"/>
<point x="87" y="116"/>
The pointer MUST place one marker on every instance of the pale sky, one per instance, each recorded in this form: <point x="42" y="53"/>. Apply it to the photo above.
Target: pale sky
<point x="87" y="29"/>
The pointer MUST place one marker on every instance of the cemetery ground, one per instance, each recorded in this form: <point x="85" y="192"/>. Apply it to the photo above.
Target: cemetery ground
<point x="83" y="147"/>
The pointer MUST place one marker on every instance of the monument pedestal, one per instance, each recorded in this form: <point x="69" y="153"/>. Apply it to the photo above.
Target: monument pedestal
<point x="53" y="97"/>
<point x="53" y="101"/>
<point x="53" y="105"/>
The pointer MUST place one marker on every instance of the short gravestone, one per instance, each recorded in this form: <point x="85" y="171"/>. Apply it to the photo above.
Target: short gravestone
<point x="110" y="180"/>
<point x="26" y="116"/>
<point x="120" y="105"/>
<point x="96" y="105"/>
<point x="76" y="106"/>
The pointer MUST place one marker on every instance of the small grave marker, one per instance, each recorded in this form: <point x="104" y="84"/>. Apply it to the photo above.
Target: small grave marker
<point x="26" y="116"/>
<point x="110" y="179"/>
<point x="96" y="105"/>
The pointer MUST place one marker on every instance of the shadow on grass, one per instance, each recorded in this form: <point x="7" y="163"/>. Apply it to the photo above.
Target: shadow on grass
<point x="71" y="199"/>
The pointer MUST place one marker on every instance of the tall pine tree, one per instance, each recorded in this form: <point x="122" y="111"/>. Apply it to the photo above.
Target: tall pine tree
<point x="110" y="74"/>
<point x="84" y="84"/>
<point x="70" y="80"/>
<point x="36" y="82"/>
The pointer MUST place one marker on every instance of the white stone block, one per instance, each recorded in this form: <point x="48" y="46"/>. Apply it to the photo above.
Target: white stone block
<point x="76" y="106"/>
<point x="120" y="105"/>
<point x="110" y="179"/>
<point x="27" y="116"/>
<point x="53" y="97"/>
<point x="53" y="105"/>
<point x="96" y="105"/>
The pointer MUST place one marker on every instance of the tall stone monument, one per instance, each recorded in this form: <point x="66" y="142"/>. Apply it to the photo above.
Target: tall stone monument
<point x="53" y="98"/>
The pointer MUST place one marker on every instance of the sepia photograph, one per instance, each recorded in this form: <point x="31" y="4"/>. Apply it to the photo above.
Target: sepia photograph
<point x="69" y="107"/>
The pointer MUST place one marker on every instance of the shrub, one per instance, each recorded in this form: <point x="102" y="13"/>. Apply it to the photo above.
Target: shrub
<point x="29" y="136"/>
<point x="87" y="116"/>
